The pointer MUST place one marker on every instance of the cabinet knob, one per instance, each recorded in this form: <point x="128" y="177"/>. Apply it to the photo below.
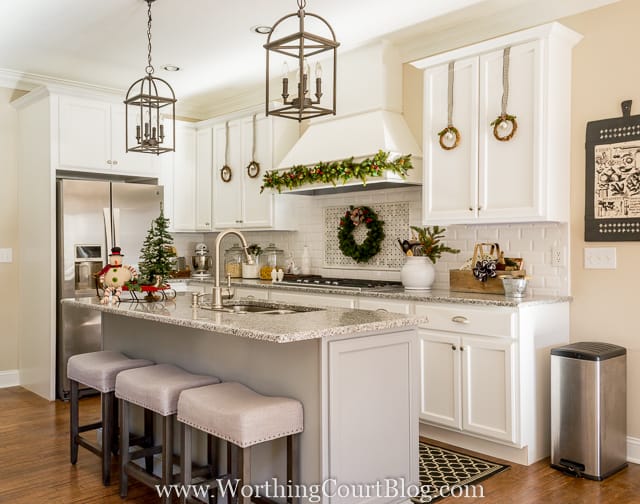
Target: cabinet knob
<point x="461" y="348"/>
<point x="109" y="161"/>
<point x="207" y="224"/>
<point x="453" y="347"/>
<point x="459" y="319"/>
<point x="479" y="208"/>
<point x="115" y="162"/>
<point x="471" y="209"/>
<point x="238" y="222"/>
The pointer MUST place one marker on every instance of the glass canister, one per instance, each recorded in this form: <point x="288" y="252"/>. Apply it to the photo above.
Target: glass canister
<point x="271" y="257"/>
<point x="233" y="261"/>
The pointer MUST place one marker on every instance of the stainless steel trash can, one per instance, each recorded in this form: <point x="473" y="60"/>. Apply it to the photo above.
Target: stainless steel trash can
<point x="589" y="409"/>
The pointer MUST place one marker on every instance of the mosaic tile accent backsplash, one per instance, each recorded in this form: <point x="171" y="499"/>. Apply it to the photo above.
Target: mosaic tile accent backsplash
<point x="396" y="225"/>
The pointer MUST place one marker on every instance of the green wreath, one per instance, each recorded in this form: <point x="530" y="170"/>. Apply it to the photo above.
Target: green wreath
<point x="372" y="243"/>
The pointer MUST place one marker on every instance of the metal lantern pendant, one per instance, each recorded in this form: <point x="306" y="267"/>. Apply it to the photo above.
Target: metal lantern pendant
<point x="145" y="100"/>
<point x="301" y="46"/>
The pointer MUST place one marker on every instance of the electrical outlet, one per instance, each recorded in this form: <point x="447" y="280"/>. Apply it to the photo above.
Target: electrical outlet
<point x="600" y="258"/>
<point x="557" y="256"/>
<point x="6" y="255"/>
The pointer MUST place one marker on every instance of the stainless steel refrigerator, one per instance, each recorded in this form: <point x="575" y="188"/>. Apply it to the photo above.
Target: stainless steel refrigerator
<point x="92" y="217"/>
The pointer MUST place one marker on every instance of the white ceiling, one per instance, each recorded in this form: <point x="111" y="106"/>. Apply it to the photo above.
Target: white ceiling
<point x="104" y="42"/>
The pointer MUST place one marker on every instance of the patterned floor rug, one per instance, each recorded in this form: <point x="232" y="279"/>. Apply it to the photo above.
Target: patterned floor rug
<point x="444" y="472"/>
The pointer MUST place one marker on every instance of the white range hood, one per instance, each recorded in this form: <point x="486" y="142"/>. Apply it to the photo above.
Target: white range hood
<point x="369" y="120"/>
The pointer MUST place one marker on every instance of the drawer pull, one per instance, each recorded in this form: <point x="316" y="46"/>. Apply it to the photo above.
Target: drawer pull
<point x="250" y="296"/>
<point x="382" y="310"/>
<point x="459" y="319"/>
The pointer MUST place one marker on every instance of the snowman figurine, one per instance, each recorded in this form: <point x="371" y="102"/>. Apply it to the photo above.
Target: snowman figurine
<point x="114" y="275"/>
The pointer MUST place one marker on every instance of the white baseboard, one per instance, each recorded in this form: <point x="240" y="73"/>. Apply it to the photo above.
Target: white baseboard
<point x="10" y="378"/>
<point x="633" y="450"/>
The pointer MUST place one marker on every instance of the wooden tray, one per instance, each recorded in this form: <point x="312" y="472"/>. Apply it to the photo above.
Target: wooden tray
<point x="464" y="281"/>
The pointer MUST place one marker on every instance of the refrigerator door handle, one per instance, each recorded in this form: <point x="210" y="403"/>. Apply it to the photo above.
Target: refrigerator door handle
<point x="107" y="228"/>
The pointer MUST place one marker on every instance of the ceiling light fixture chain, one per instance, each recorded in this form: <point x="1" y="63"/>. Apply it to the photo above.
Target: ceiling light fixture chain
<point x="149" y="68"/>
<point x="302" y="46"/>
<point x="152" y="102"/>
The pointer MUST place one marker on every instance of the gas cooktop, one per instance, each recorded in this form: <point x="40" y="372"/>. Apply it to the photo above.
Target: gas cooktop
<point x="355" y="284"/>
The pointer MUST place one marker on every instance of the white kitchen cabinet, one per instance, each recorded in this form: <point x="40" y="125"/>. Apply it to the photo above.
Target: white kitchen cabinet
<point x="238" y="203"/>
<point x="203" y="183"/>
<point x="91" y="137"/>
<point x="485" y="180"/>
<point x="468" y="383"/>
<point x="178" y="176"/>
<point x="485" y="376"/>
<point x="305" y="298"/>
<point x="387" y="305"/>
<point x="249" y="293"/>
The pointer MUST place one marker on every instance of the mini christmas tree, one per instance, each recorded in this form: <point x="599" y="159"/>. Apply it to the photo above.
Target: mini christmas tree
<point x="156" y="252"/>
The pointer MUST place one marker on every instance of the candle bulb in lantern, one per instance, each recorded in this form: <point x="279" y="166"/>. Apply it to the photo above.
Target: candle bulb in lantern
<point x="307" y="72"/>
<point x="318" y="80"/>
<point x="285" y="81"/>
<point x="153" y="133"/>
<point x="161" y="132"/>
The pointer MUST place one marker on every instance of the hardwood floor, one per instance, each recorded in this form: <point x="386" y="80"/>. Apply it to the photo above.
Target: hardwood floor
<point x="34" y="466"/>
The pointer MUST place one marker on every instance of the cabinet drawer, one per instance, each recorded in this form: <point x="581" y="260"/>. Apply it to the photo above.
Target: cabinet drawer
<point x="490" y="321"/>
<point x="312" y="299"/>
<point x="372" y="303"/>
<point x="244" y="292"/>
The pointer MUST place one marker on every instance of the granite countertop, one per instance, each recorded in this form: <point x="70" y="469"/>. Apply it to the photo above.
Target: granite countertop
<point x="279" y="328"/>
<point x="399" y="293"/>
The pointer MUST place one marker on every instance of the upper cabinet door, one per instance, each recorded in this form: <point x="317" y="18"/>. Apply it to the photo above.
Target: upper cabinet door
<point x="203" y="187"/>
<point x="91" y="137"/>
<point x="509" y="177"/>
<point x="184" y="179"/>
<point x="450" y="175"/>
<point x="84" y="134"/>
<point x="227" y="196"/>
<point x="257" y="208"/>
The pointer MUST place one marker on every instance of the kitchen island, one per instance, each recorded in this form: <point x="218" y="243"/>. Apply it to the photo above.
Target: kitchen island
<point x="356" y="373"/>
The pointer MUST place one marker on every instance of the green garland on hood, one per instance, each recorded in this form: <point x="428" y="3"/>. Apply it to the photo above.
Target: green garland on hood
<point x="336" y="171"/>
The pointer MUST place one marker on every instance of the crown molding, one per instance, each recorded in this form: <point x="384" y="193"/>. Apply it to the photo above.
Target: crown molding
<point x="24" y="81"/>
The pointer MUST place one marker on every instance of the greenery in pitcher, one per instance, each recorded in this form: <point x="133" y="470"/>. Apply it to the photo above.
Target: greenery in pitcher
<point x="430" y="239"/>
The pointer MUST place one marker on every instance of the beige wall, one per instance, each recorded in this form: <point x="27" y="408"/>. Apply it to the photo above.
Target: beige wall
<point x="606" y="304"/>
<point x="9" y="282"/>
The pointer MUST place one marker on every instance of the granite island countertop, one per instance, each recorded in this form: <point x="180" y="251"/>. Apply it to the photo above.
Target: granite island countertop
<point x="398" y="293"/>
<point x="279" y="328"/>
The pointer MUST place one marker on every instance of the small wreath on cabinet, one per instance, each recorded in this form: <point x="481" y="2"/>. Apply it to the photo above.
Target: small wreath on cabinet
<point x="372" y="244"/>
<point x="504" y="127"/>
<point x="253" y="169"/>
<point x="225" y="173"/>
<point x="449" y="137"/>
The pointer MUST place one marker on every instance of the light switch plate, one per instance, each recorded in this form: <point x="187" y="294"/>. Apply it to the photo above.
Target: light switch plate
<point x="6" y="255"/>
<point x="600" y="258"/>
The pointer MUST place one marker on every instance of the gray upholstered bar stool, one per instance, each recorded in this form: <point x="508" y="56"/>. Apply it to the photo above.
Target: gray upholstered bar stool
<point x="97" y="370"/>
<point x="154" y="388"/>
<point x="242" y="417"/>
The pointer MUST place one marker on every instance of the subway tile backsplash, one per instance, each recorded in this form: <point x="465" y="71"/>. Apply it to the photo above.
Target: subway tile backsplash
<point x="532" y="242"/>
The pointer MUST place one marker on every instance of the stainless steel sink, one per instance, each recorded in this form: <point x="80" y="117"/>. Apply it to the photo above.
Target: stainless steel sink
<point x="242" y="308"/>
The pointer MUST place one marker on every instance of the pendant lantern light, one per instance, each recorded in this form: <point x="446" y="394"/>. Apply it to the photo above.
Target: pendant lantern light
<point x="302" y="46"/>
<point x="151" y="101"/>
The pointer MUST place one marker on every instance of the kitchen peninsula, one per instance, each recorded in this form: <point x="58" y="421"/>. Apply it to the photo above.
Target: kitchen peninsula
<point x="356" y="373"/>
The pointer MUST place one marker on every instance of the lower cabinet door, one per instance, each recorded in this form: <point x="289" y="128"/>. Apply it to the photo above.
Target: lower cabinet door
<point x="440" y="380"/>
<point x="488" y="388"/>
